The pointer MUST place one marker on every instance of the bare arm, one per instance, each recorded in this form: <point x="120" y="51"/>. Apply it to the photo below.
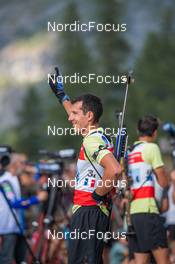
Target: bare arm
<point x="112" y="171"/>
<point x="164" y="205"/>
<point x="174" y="192"/>
<point x="161" y="176"/>
<point x="173" y="183"/>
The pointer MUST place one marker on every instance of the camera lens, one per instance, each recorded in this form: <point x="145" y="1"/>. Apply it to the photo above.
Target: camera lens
<point x="4" y="160"/>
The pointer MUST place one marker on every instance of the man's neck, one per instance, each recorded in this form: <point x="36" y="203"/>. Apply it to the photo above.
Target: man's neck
<point x="146" y="139"/>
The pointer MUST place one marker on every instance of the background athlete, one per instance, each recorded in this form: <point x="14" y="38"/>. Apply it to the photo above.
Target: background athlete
<point x="144" y="164"/>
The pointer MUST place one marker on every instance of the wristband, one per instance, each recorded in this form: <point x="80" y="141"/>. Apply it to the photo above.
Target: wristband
<point x="98" y="198"/>
<point x="62" y="97"/>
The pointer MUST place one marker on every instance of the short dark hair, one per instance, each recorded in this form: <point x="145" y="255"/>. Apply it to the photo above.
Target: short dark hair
<point x="91" y="103"/>
<point x="147" y="125"/>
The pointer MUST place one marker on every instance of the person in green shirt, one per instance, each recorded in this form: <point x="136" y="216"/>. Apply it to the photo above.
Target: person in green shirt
<point x="144" y="165"/>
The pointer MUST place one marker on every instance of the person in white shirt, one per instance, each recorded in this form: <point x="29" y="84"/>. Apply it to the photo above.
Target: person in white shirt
<point x="8" y="226"/>
<point x="170" y="214"/>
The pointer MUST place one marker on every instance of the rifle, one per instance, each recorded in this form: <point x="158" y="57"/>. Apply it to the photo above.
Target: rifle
<point x="121" y="153"/>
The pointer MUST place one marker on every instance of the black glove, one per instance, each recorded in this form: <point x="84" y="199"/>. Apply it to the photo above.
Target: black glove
<point x="105" y="199"/>
<point x="57" y="87"/>
<point x="99" y="198"/>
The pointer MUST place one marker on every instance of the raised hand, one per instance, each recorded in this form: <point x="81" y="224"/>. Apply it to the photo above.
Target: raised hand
<point x="57" y="86"/>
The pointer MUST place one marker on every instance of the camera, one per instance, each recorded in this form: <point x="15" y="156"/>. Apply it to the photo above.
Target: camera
<point x="54" y="162"/>
<point x="49" y="168"/>
<point x="170" y="129"/>
<point x="5" y="152"/>
<point x="61" y="154"/>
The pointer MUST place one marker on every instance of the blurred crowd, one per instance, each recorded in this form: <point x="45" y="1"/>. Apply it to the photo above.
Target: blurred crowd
<point x="40" y="207"/>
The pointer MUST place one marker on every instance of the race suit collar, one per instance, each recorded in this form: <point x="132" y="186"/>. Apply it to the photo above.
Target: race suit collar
<point x="140" y="141"/>
<point x="98" y="129"/>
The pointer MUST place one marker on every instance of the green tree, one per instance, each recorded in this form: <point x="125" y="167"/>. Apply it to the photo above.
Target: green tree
<point x="153" y="91"/>
<point x="113" y="50"/>
<point x="29" y="129"/>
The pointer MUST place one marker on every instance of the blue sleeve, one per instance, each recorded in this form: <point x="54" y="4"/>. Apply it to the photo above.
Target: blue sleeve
<point x="24" y="203"/>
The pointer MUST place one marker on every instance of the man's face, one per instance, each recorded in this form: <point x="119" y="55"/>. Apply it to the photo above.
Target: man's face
<point x="79" y="120"/>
